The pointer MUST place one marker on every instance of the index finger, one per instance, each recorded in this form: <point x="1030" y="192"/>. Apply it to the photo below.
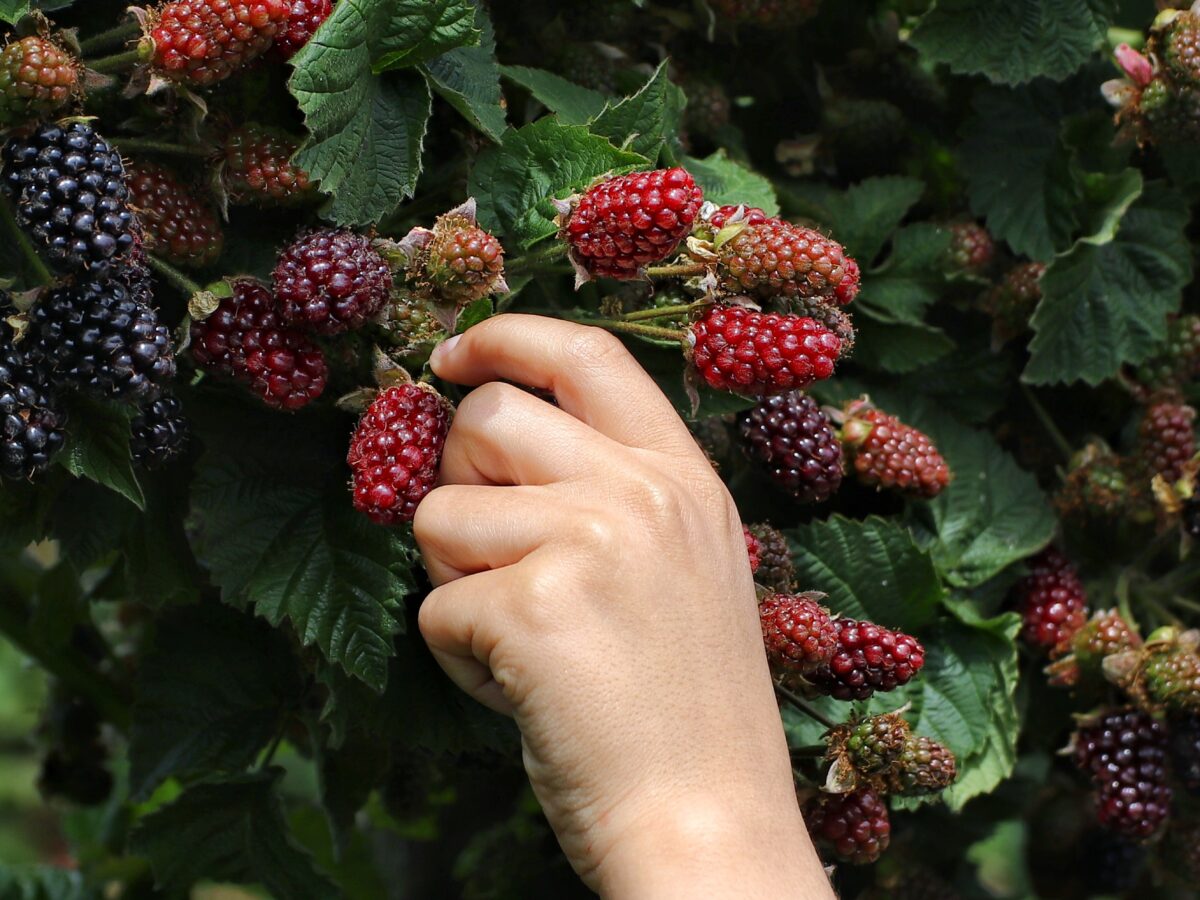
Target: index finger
<point x="591" y="374"/>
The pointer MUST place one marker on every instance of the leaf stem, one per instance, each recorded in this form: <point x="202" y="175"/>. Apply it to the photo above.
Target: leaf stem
<point x="66" y="664"/>
<point x="118" y="62"/>
<point x="27" y="249"/>
<point x="678" y="270"/>
<point x="1048" y="423"/>
<point x="173" y="275"/>
<point x="147" y="145"/>
<point x="804" y="706"/>
<point x="102" y="40"/>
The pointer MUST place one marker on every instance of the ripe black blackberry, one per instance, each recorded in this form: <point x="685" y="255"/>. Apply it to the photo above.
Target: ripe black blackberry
<point x="68" y="187"/>
<point x="31" y="424"/>
<point x="1125" y="753"/>
<point x="159" y="432"/>
<point x="775" y="569"/>
<point x="796" y="443"/>
<point x="95" y="336"/>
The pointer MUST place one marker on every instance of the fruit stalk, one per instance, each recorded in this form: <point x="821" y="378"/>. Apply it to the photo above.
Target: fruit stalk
<point x="804" y="706"/>
<point x="677" y="270"/>
<point x="146" y="145"/>
<point x="663" y="312"/>
<point x="118" y="62"/>
<point x="173" y="275"/>
<point x="118" y="34"/>
<point x="533" y="261"/>
<point x="646" y="331"/>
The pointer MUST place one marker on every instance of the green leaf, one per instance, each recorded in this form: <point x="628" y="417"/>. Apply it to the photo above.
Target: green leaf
<point x="43" y="883"/>
<point x="408" y="32"/>
<point x="278" y="531"/>
<point x="98" y="448"/>
<point x="211" y="691"/>
<point x="474" y="313"/>
<point x="871" y="569"/>
<point x="1019" y="174"/>
<point x="1013" y="42"/>
<point x="645" y="121"/>
<point x="12" y="11"/>
<point x="469" y="80"/>
<point x="911" y="280"/>
<point x="354" y="867"/>
<point x="514" y="182"/>
<point x="574" y="104"/>
<point x="348" y="775"/>
<point x="727" y="182"/>
<point x="898" y="347"/>
<point x="233" y="831"/>
<point x="1105" y="302"/>
<point x="863" y="217"/>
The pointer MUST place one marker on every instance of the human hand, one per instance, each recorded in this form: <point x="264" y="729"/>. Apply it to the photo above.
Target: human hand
<point x="592" y="581"/>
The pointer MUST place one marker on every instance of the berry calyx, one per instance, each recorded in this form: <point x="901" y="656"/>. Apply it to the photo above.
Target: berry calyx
<point x="68" y="188"/>
<point x="854" y="828"/>
<point x="779" y="259"/>
<point x="796" y="444"/>
<point x="395" y="452"/>
<point x="868" y="658"/>
<point x="176" y="225"/>
<point x="1124" y="752"/>
<point x="1167" y="439"/>
<point x="1051" y="600"/>
<point x="246" y="340"/>
<point x="305" y="18"/>
<point x="622" y="225"/>
<point x="887" y="454"/>
<point x="737" y="349"/>
<point x="159" y="433"/>
<point x="258" y="168"/>
<point x="798" y="633"/>
<point x="775" y="567"/>
<point x="923" y="767"/>
<point x="37" y="77"/>
<point x="201" y="42"/>
<point x="330" y="280"/>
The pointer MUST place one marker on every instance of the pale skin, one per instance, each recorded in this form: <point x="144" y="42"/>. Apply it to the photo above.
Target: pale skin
<point x="591" y="580"/>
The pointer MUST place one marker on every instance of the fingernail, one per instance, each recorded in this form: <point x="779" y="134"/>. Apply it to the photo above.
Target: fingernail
<point x="446" y="347"/>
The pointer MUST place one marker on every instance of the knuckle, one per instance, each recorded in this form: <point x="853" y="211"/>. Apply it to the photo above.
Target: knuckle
<point x="429" y="618"/>
<point x="594" y="347"/>
<point x="485" y="401"/>
<point x="598" y="533"/>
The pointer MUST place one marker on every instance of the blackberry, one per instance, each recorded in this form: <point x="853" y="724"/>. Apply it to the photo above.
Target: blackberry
<point x="871" y="746"/>
<point x="31" y="424"/>
<point x="1051" y="600"/>
<point x="258" y="168"/>
<point x="923" y="767"/>
<point x="753" y="548"/>
<point x="779" y="259"/>
<point x="1178" y="363"/>
<point x="708" y="106"/>
<point x="775" y="568"/>
<point x="330" y="281"/>
<point x="853" y="827"/>
<point x="411" y="321"/>
<point x="463" y="262"/>
<point x="971" y="248"/>
<point x="1083" y="653"/>
<point x="305" y="18"/>
<point x="68" y="186"/>
<point x="885" y="453"/>
<point x="1011" y="303"/>
<point x="202" y="42"/>
<point x="1170" y="676"/>
<point x="37" y="76"/>
<point x="1179" y="46"/>
<point x="93" y="335"/>
<point x="868" y="658"/>
<point x="796" y="444"/>
<point x="159" y="432"/>
<point x="1109" y="863"/>
<point x="177" y="225"/>
<point x="798" y="634"/>
<point x="1124" y="752"/>
<point x="1096" y="484"/>
<point x="1166" y="439"/>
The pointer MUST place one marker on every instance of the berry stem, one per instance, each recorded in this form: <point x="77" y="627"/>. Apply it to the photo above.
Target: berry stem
<point x="102" y="40"/>
<point x="35" y="262"/>
<point x="536" y="259"/>
<point x="173" y="275"/>
<point x="1047" y="423"/>
<point x="663" y="312"/>
<point x="65" y="664"/>
<point x="145" y="145"/>
<point x="118" y="62"/>
<point x="646" y="331"/>
<point x="1117" y="36"/>
<point x="679" y="270"/>
<point x="1184" y="603"/>
<point x="804" y="706"/>
<point x="812" y="751"/>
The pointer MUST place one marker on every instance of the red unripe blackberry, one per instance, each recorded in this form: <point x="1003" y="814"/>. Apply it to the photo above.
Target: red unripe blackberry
<point x="855" y="827"/>
<point x="1166" y="439"/>
<point x="159" y="432"/>
<point x="756" y="354"/>
<point x="868" y="658"/>
<point x="889" y="455"/>
<point x="1185" y="750"/>
<point x="31" y="423"/>
<point x="258" y="168"/>
<point x="924" y="767"/>
<point x="330" y="281"/>
<point x="1125" y="754"/>
<point x="176" y="225"/>
<point x="753" y="548"/>
<point x="798" y="633"/>
<point x="396" y="450"/>
<point x="1051" y="600"/>
<point x="305" y="18"/>
<point x="796" y="444"/>
<point x="246" y="340"/>
<point x="971" y="248"/>
<point x="751" y="215"/>
<point x="464" y="263"/>
<point x="202" y="42"/>
<point x="779" y="259"/>
<point x="1083" y="653"/>
<point x="708" y="106"/>
<point x="68" y="189"/>
<point x="37" y="76"/>
<point x="775" y="567"/>
<point x="1012" y="302"/>
<point x="622" y="225"/>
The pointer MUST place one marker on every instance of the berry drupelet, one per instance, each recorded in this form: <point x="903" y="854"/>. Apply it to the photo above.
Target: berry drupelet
<point x="798" y="633"/>
<point x="854" y="828"/>
<point x="796" y="444"/>
<point x="246" y="340"/>
<point x="396" y="450"/>
<point x="868" y="658"/>
<point x="37" y="77"/>
<point x="753" y="548"/>
<point x="887" y="454"/>
<point x="757" y="354"/>
<point x="305" y="18"/>
<point x="68" y="188"/>
<point x="201" y="42"/>
<point x="1051" y="600"/>
<point x="779" y="259"/>
<point x="330" y="281"/>
<point x="159" y="432"/>
<point x="622" y="225"/>
<point x="176" y="224"/>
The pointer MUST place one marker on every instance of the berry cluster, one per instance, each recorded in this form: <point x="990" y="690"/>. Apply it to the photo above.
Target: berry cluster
<point x="1125" y="754"/>
<point x="1158" y="100"/>
<point x="201" y="42"/>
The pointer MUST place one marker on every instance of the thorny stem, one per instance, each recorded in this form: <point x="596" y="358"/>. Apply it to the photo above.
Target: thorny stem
<point x="65" y="664"/>
<point x="173" y="275"/>
<point x="536" y="259"/>
<point x="118" y="34"/>
<point x="663" y="312"/>
<point x="804" y="706"/>
<point x="1048" y="423"/>
<point x="647" y="331"/>
<point x="679" y="270"/>
<point x="146" y="145"/>
<point x="118" y="62"/>
<point x="27" y="249"/>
